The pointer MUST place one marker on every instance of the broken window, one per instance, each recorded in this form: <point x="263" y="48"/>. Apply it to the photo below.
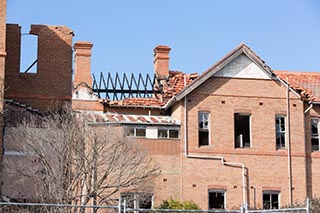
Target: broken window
<point x="28" y="53"/>
<point x="203" y="118"/>
<point x="132" y="131"/>
<point x="137" y="200"/>
<point x="242" y="130"/>
<point x="315" y="134"/>
<point x="168" y="132"/>
<point x="216" y="199"/>
<point x="271" y="199"/>
<point x="281" y="132"/>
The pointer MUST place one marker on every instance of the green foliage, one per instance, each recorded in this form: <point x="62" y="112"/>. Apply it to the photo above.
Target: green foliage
<point x="175" y="204"/>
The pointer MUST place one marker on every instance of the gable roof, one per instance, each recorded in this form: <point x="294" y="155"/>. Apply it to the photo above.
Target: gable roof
<point x="307" y="84"/>
<point x="241" y="49"/>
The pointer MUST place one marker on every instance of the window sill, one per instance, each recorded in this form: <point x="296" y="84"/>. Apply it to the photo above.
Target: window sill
<point x="315" y="154"/>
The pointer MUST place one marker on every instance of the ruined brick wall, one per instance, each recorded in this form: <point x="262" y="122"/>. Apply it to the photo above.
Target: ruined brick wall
<point x="53" y="80"/>
<point x="267" y="166"/>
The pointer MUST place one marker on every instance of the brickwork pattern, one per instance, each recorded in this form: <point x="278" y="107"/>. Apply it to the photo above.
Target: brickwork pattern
<point x="53" y="80"/>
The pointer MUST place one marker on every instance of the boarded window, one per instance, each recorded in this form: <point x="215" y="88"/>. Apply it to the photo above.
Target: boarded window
<point x="203" y="118"/>
<point x="242" y="130"/>
<point x="280" y="132"/>
<point x="216" y="199"/>
<point x="271" y="199"/>
<point x="315" y="134"/>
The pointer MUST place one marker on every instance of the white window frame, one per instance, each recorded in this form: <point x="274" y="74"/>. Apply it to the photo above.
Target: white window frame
<point x="135" y="131"/>
<point x="201" y="116"/>
<point x="281" y="131"/>
<point x="136" y="198"/>
<point x="271" y="192"/>
<point x="315" y="136"/>
<point x="217" y="191"/>
<point x="167" y="129"/>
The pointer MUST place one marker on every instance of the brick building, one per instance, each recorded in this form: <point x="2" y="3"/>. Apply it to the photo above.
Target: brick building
<point x="239" y="133"/>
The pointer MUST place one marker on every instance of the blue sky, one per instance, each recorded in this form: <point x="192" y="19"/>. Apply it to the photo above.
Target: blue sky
<point x="285" y="33"/>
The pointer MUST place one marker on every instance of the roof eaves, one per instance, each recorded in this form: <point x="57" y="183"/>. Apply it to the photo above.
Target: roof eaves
<point x="135" y="106"/>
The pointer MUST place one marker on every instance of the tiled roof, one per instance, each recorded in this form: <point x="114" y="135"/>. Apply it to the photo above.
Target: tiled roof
<point x="101" y="118"/>
<point x="307" y="84"/>
<point x="137" y="102"/>
<point x="176" y="82"/>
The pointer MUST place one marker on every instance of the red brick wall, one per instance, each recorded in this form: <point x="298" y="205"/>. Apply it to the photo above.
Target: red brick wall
<point x="167" y="154"/>
<point x="53" y="80"/>
<point x="267" y="167"/>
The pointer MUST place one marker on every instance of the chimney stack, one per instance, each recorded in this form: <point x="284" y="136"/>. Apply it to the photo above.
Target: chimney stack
<point x="161" y="61"/>
<point x="82" y="60"/>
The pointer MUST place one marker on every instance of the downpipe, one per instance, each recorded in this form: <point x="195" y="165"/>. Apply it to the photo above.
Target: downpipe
<point x="236" y="164"/>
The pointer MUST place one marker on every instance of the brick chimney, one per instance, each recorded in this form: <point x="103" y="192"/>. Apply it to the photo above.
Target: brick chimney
<point x="161" y="61"/>
<point x="82" y="61"/>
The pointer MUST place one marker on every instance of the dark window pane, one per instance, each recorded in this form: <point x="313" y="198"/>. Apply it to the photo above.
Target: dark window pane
<point x="203" y="138"/>
<point x="270" y="200"/>
<point x="315" y="144"/>
<point x="173" y="133"/>
<point x="275" y="201"/>
<point x="266" y="201"/>
<point x="145" y="201"/>
<point x="162" y="133"/>
<point x="140" y="132"/>
<point x="242" y="130"/>
<point x="216" y="200"/>
<point x="280" y="132"/>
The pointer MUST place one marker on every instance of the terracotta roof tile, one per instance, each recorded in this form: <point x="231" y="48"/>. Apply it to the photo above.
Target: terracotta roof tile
<point x="100" y="118"/>
<point x="307" y="84"/>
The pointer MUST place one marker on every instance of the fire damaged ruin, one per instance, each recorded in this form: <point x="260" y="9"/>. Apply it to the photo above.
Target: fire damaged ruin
<point x="240" y="133"/>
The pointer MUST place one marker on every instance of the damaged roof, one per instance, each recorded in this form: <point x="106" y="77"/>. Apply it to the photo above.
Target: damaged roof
<point x="179" y="84"/>
<point x="102" y="118"/>
<point x="176" y="82"/>
<point x="307" y="84"/>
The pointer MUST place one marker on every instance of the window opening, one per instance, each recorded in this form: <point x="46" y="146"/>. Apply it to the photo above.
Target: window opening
<point x="136" y="131"/>
<point x="173" y="133"/>
<point x="28" y="53"/>
<point x="216" y="199"/>
<point x="203" y="118"/>
<point x="137" y="200"/>
<point x="271" y="200"/>
<point x="315" y="134"/>
<point x="168" y="133"/>
<point x="280" y="132"/>
<point x="242" y="130"/>
<point x="162" y="133"/>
